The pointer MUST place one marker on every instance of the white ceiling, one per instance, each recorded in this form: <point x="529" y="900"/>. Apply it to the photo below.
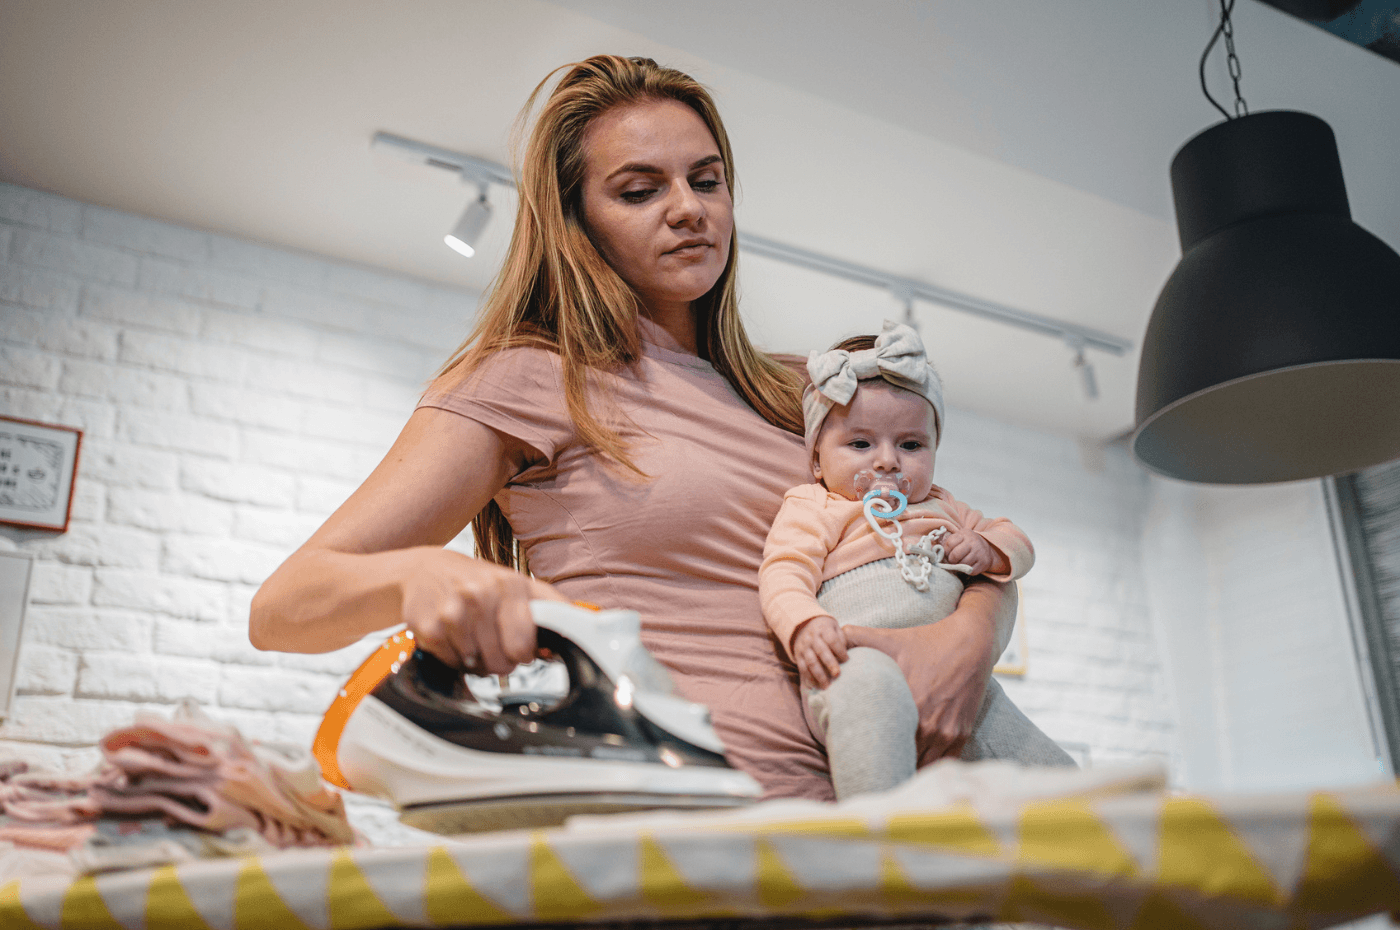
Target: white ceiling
<point x="1016" y="151"/>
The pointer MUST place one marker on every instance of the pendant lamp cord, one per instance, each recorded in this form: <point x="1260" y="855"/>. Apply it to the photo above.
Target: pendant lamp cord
<point x="1227" y="29"/>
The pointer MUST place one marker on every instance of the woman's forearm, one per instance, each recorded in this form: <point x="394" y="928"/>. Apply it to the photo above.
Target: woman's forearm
<point x="320" y="600"/>
<point x="382" y="549"/>
<point x="995" y="602"/>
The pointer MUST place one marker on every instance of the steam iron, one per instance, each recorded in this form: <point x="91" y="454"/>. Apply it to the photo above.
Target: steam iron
<point x="455" y="759"/>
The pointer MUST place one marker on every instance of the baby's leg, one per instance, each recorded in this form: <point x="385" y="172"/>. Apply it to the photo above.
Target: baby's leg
<point x="867" y="719"/>
<point x="875" y="595"/>
<point x="1002" y="731"/>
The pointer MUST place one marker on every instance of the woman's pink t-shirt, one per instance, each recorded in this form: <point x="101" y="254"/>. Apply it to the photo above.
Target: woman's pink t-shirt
<point x="682" y="547"/>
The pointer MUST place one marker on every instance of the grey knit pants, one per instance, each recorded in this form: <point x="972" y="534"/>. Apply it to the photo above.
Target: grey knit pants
<point x="867" y="718"/>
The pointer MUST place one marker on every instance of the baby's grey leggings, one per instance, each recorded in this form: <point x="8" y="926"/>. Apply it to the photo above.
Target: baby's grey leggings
<point x="867" y="718"/>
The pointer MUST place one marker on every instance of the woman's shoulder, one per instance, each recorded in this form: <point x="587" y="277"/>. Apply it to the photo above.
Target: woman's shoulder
<point x="522" y="358"/>
<point x="516" y="391"/>
<point x="513" y="370"/>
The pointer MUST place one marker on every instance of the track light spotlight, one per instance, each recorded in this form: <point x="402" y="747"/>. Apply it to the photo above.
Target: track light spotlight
<point x="1086" y="376"/>
<point x="1087" y="379"/>
<point x="474" y="219"/>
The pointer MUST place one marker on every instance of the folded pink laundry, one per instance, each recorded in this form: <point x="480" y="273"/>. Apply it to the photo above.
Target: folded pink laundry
<point x="190" y="772"/>
<point x="140" y="760"/>
<point x="46" y="797"/>
<point x="52" y="836"/>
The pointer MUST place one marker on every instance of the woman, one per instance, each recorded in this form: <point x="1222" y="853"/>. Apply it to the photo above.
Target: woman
<point x="609" y="419"/>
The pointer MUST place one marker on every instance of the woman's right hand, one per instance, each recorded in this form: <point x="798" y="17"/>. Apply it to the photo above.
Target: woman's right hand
<point x="947" y="664"/>
<point x="471" y="614"/>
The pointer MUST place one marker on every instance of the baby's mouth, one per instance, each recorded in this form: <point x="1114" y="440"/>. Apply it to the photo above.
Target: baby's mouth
<point x="867" y="481"/>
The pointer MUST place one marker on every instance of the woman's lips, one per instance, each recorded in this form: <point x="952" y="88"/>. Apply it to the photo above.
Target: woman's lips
<point x="694" y="248"/>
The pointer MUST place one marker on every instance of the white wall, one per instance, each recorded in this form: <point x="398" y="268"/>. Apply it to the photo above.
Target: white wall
<point x="1093" y="674"/>
<point x="232" y="395"/>
<point x="1250" y="609"/>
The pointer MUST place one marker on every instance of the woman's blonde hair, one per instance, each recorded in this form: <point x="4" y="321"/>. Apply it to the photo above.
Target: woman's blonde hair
<point x="555" y="290"/>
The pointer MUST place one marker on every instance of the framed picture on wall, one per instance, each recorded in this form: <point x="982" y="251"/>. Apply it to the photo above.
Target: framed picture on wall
<point x="38" y="462"/>
<point x="1013" y="660"/>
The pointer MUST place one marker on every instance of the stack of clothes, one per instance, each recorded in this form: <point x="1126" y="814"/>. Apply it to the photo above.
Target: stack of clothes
<point x="172" y="791"/>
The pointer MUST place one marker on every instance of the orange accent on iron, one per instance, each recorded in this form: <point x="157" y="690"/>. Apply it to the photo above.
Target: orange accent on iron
<point x="380" y="665"/>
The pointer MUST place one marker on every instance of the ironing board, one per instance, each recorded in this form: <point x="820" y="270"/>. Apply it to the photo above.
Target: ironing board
<point x="1134" y="860"/>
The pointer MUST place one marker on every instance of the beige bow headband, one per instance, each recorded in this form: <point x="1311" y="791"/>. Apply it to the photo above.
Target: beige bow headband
<point x="898" y="357"/>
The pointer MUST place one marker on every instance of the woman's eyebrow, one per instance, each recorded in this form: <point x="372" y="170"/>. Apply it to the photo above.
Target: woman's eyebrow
<point x="637" y="167"/>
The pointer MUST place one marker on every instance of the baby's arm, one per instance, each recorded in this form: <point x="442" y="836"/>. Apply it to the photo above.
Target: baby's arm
<point x="970" y="548"/>
<point x="793" y="559"/>
<point x="819" y="648"/>
<point x="994" y="547"/>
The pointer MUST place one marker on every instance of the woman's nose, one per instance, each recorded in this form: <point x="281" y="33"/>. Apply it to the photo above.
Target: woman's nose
<point x="684" y="206"/>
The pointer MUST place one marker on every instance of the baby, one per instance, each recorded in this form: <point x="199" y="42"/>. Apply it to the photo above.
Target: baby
<point x="876" y="543"/>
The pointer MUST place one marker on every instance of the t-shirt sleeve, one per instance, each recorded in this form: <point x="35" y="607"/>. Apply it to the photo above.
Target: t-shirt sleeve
<point x="518" y="392"/>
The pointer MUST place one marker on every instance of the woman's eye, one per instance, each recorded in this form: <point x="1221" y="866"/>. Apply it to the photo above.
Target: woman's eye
<point x="705" y="186"/>
<point x="637" y="196"/>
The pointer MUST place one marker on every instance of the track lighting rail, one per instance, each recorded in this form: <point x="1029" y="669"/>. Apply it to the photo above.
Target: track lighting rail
<point x="480" y="170"/>
<point x="470" y="167"/>
<point x="912" y="288"/>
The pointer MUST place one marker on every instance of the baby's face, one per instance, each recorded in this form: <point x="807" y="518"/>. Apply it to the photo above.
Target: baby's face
<point x="885" y="430"/>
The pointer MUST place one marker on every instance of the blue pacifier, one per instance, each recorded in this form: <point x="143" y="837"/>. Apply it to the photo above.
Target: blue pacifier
<point x="877" y="490"/>
<point x="879" y="495"/>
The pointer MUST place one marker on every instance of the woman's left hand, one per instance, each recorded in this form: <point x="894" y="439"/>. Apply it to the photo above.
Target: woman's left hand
<point x="947" y="665"/>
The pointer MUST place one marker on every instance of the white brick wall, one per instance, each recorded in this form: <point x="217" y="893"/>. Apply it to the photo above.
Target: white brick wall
<point x="231" y="396"/>
<point x="1093" y="675"/>
<point x="234" y="394"/>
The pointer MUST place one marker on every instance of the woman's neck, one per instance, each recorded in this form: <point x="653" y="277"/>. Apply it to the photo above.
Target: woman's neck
<point x="678" y="322"/>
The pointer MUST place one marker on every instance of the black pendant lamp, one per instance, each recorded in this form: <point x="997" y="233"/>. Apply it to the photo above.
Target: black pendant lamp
<point x="1273" y="353"/>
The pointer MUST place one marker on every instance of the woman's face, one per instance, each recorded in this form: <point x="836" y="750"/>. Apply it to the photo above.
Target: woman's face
<point x="655" y="201"/>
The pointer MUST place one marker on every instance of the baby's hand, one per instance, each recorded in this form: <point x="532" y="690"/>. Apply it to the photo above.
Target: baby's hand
<point x="965" y="547"/>
<point x="819" y="648"/>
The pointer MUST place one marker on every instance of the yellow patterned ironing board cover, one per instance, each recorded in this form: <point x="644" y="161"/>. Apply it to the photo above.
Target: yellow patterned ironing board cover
<point x="1144" y="860"/>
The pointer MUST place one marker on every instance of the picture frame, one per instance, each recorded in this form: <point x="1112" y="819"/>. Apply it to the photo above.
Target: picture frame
<point x="1013" y="661"/>
<point x="38" y="468"/>
<point x="15" y="569"/>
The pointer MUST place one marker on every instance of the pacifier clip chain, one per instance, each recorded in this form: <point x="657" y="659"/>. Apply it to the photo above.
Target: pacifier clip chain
<point x="926" y="553"/>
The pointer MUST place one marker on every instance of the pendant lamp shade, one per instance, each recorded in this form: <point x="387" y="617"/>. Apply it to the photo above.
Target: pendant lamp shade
<point x="1273" y="353"/>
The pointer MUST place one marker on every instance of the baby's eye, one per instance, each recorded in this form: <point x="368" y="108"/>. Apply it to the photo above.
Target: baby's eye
<point x="860" y="444"/>
<point x="637" y="196"/>
<point x="911" y="445"/>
